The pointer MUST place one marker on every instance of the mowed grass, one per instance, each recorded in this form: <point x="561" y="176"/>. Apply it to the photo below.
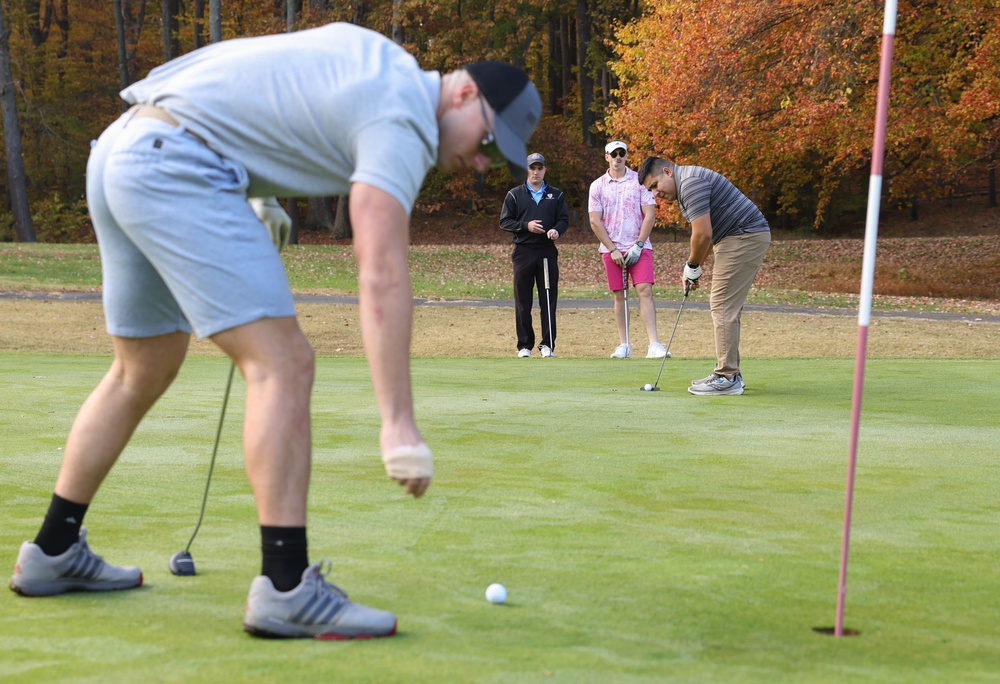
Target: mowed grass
<point x="483" y="272"/>
<point x="642" y="537"/>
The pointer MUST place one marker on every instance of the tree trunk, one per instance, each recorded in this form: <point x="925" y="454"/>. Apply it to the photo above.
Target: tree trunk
<point x="12" y="138"/>
<point x="38" y="27"/>
<point x="586" y="81"/>
<point x="342" y="229"/>
<point x="319" y="214"/>
<point x="291" y="9"/>
<point x="214" y="21"/>
<point x="553" y="73"/>
<point x="123" y="78"/>
<point x="992" y="192"/>
<point x="397" y="22"/>
<point x="293" y="213"/>
<point x="171" y="46"/>
<point x="199" y="23"/>
<point x="565" y="60"/>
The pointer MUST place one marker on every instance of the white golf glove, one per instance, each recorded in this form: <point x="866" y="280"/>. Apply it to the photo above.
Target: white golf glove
<point x="633" y="254"/>
<point x="409" y="462"/>
<point x="274" y="218"/>
<point x="692" y="273"/>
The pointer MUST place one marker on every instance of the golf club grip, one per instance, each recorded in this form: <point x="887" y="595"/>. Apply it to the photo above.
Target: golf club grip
<point x="545" y="267"/>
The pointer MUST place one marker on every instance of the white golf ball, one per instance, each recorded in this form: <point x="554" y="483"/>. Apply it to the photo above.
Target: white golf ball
<point x="648" y="387"/>
<point x="495" y="593"/>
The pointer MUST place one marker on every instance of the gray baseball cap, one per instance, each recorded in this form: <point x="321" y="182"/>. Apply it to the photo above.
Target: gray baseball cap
<point x="536" y="158"/>
<point x="517" y="108"/>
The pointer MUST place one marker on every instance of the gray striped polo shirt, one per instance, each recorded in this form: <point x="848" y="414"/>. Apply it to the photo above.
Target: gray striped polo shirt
<point x="701" y="190"/>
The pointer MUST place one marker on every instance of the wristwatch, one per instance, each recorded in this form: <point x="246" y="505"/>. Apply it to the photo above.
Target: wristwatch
<point x="692" y="265"/>
<point x="641" y="244"/>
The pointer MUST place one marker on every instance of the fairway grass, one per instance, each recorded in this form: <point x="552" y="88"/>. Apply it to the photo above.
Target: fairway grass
<point x="642" y="537"/>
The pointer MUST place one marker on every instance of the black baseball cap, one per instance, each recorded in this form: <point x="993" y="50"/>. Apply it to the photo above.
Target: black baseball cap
<point x="517" y="107"/>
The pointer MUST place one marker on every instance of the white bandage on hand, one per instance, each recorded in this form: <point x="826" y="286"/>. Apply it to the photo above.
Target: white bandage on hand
<point x="409" y="462"/>
<point x="692" y="274"/>
<point x="274" y="218"/>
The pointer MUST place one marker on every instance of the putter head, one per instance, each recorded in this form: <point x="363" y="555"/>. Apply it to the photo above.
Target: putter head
<point x="182" y="564"/>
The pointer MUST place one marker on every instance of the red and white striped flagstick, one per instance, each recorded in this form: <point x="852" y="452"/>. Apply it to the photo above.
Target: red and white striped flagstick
<point x="867" y="279"/>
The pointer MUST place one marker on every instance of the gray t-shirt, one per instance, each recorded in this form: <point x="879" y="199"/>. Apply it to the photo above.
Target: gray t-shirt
<point x="307" y="113"/>
<point x="701" y="190"/>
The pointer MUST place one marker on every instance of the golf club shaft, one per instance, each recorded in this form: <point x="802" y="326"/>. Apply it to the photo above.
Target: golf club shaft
<point x="625" y="286"/>
<point x="548" y="304"/>
<point x="211" y="463"/>
<point x="687" y="290"/>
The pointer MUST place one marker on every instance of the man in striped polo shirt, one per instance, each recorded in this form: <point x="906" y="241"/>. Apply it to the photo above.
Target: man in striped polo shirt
<point x="725" y="221"/>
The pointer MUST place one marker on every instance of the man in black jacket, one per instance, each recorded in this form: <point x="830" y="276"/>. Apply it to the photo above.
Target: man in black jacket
<point x="536" y="215"/>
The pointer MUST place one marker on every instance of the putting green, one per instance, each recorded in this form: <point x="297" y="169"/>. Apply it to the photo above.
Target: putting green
<point x="642" y="537"/>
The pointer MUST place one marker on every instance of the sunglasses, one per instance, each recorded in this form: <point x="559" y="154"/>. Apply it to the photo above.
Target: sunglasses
<point x="618" y="153"/>
<point x="489" y="144"/>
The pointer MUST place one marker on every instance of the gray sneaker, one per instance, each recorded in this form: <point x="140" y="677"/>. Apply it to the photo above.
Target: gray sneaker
<point x="78" y="569"/>
<point x="704" y="381"/>
<point x="315" y="609"/>
<point x="721" y="385"/>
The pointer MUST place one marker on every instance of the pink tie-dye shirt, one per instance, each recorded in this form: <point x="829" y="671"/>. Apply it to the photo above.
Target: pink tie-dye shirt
<point x="620" y="203"/>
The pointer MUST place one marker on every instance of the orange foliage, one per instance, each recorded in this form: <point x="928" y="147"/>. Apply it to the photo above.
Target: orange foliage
<point x="779" y="95"/>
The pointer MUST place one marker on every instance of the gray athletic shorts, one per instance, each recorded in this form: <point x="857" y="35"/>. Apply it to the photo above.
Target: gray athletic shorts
<point x="180" y="246"/>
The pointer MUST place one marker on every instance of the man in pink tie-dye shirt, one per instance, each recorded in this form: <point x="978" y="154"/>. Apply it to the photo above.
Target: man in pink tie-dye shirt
<point x="622" y="213"/>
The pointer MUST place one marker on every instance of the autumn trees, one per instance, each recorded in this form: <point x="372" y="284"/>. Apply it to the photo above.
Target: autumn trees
<point x="777" y="94"/>
<point x="780" y="95"/>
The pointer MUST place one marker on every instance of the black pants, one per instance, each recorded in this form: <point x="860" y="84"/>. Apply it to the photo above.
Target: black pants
<point x="529" y="273"/>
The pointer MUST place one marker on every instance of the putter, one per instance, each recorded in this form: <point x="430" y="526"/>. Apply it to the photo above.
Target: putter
<point x="656" y="385"/>
<point x="628" y="341"/>
<point x="548" y="305"/>
<point x="181" y="563"/>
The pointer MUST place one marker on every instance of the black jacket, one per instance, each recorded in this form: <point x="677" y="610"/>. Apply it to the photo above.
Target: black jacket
<point x="519" y="208"/>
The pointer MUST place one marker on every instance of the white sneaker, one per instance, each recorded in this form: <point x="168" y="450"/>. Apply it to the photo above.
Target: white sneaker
<point x="622" y="351"/>
<point x="523" y="353"/>
<point x="656" y="351"/>
<point x="546" y="352"/>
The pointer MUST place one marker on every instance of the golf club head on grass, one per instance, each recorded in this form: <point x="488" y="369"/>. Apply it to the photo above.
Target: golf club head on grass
<point x="182" y="564"/>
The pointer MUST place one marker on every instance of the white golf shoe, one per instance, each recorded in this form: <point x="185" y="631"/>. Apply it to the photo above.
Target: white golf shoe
<point x="622" y="351"/>
<point x="656" y="351"/>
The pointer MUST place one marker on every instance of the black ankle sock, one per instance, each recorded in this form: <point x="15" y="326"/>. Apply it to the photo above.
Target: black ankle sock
<point x="285" y="555"/>
<point x="61" y="527"/>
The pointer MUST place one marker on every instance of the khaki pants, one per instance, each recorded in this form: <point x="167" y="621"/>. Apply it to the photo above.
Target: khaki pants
<point x="737" y="260"/>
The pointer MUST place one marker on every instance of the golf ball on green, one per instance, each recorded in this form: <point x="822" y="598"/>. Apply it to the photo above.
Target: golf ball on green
<point x="495" y="593"/>
<point x="648" y="387"/>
